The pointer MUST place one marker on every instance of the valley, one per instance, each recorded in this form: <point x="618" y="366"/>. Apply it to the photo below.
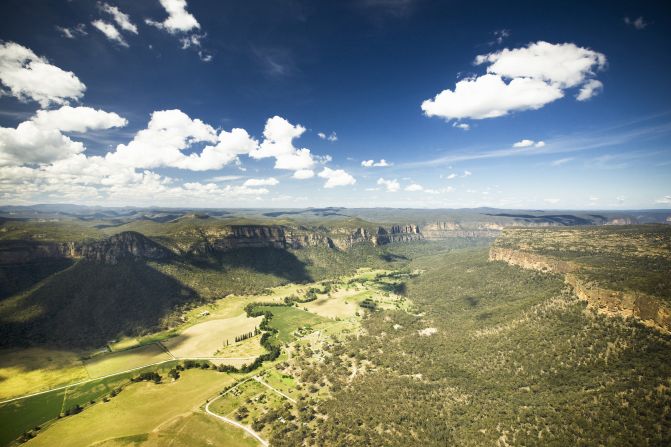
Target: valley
<point x="247" y="349"/>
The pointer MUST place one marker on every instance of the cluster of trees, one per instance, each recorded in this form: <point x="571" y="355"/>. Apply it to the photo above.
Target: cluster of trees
<point x="368" y="304"/>
<point x="149" y="376"/>
<point x="247" y="335"/>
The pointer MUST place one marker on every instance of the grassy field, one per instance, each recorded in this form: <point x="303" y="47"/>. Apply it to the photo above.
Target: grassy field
<point x="121" y="361"/>
<point x="206" y="338"/>
<point x="287" y="319"/>
<point x="138" y="410"/>
<point x="192" y="429"/>
<point x="26" y="371"/>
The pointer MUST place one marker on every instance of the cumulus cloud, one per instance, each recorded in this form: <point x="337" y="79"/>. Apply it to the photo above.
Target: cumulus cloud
<point x="665" y="200"/>
<point x="451" y="176"/>
<point x="529" y="143"/>
<point x="373" y="164"/>
<point x="638" y="23"/>
<point x="303" y="174"/>
<point x="336" y="177"/>
<point x="467" y="173"/>
<point x="109" y="31"/>
<point x="77" y="119"/>
<point x="40" y="140"/>
<point x="27" y="76"/>
<point x="119" y="17"/>
<point x="179" y="20"/>
<point x="591" y="88"/>
<point x="414" y="187"/>
<point x="462" y="126"/>
<point x="489" y="96"/>
<point x="390" y="185"/>
<point x="170" y="132"/>
<point x="519" y="79"/>
<point x="278" y="143"/>
<point x="270" y="181"/>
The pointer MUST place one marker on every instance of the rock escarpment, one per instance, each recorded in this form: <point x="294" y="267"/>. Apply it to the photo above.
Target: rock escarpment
<point x="625" y="303"/>
<point x="446" y="230"/>
<point x="122" y="246"/>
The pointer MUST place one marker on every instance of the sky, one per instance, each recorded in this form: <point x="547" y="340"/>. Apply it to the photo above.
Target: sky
<point x="367" y="103"/>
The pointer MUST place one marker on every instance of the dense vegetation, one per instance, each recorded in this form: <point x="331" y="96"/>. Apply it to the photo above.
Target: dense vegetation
<point x="635" y="258"/>
<point x="512" y="359"/>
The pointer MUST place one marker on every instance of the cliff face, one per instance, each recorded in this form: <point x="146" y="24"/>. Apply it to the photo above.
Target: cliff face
<point x="126" y="245"/>
<point x="445" y="230"/>
<point x="649" y="309"/>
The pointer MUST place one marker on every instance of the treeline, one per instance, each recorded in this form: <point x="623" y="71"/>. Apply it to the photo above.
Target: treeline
<point x="242" y="337"/>
<point x="273" y="351"/>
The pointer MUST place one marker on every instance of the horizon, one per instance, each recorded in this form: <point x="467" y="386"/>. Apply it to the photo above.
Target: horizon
<point x="408" y="104"/>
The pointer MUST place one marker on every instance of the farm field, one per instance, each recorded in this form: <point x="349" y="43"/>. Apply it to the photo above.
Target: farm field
<point x="25" y="371"/>
<point x="192" y="429"/>
<point x="115" y="362"/>
<point x="137" y="410"/>
<point x="206" y="338"/>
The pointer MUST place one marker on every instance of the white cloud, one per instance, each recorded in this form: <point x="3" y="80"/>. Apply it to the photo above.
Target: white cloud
<point x="620" y="199"/>
<point x="414" y="187"/>
<point x="192" y="40"/>
<point x="179" y="20"/>
<point x="528" y="143"/>
<point x="524" y="78"/>
<point x="591" y="88"/>
<point x="391" y="185"/>
<point x="566" y="65"/>
<point x="500" y="36"/>
<point x="77" y="119"/>
<point x="489" y="96"/>
<point x="336" y="177"/>
<point x="303" y="174"/>
<point x="332" y="137"/>
<point x="462" y="126"/>
<point x="72" y="33"/>
<point x="40" y="140"/>
<point x="638" y="23"/>
<point x="524" y="143"/>
<point x="28" y="76"/>
<point x="551" y="201"/>
<point x="278" y="143"/>
<point x="28" y="143"/>
<point x="120" y="18"/>
<point x="467" y="173"/>
<point x="664" y="200"/>
<point x="170" y="132"/>
<point x="373" y="164"/>
<point x="270" y="181"/>
<point x="223" y="178"/>
<point x="451" y="176"/>
<point x="109" y="31"/>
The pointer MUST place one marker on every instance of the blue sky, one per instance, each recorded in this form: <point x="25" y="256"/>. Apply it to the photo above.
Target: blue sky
<point x="134" y="103"/>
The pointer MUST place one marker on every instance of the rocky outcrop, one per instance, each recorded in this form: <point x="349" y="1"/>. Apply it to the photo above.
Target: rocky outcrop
<point x="531" y="261"/>
<point x="648" y="309"/>
<point x="624" y="303"/>
<point x="126" y="245"/>
<point x="122" y="246"/>
<point x="445" y="230"/>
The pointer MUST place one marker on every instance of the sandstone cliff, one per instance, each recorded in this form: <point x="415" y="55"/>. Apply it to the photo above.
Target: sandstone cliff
<point x="126" y="245"/>
<point x="649" y="309"/>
